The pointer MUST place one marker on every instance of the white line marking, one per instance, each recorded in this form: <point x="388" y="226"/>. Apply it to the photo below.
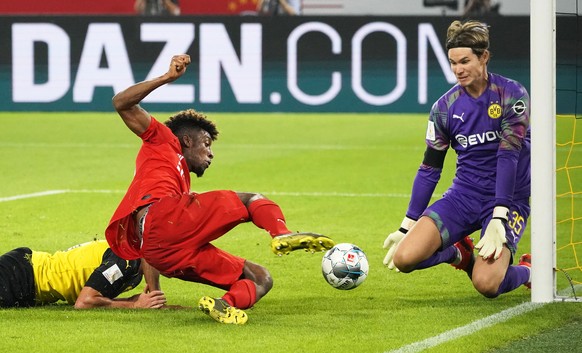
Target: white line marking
<point x="234" y="146"/>
<point x="468" y="329"/>
<point x="275" y="193"/>
<point x="67" y="145"/>
<point x="96" y="191"/>
<point x="35" y="194"/>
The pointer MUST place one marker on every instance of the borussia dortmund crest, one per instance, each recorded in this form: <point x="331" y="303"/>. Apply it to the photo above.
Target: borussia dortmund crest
<point x="494" y="111"/>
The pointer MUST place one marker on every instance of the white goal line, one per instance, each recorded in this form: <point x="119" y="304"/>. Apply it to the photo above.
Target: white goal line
<point x="469" y="329"/>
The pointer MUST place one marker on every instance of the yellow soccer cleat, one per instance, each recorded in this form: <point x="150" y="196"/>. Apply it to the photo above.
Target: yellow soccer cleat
<point x="220" y="311"/>
<point x="284" y="244"/>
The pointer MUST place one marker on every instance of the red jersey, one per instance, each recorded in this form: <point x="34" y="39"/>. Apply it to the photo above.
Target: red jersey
<point x="160" y="171"/>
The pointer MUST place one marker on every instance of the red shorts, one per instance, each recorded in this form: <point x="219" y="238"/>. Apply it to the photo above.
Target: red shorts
<point x="178" y="231"/>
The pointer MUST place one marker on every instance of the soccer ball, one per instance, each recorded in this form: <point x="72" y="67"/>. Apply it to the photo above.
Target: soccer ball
<point x="344" y="266"/>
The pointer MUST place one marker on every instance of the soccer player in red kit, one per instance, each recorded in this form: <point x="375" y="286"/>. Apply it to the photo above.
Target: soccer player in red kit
<point x="161" y="221"/>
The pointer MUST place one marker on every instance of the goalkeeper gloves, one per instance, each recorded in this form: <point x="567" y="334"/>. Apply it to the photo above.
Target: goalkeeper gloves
<point x="391" y="242"/>
<point x="494" y="238"/>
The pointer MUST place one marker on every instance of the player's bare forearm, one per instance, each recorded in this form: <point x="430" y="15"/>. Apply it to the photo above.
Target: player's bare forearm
<point x="104" y="302"/>
<point x="126" y="102"/>
<point x="151" y="276"/>
<point x="134" y="94"/>
<point x="90" y="298"/>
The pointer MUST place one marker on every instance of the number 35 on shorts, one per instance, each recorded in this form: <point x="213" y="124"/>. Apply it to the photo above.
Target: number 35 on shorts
<point x="516" y="222"/>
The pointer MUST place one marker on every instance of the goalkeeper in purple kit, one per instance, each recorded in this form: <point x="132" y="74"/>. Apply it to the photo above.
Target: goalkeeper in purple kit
<point x="485" y="119"/>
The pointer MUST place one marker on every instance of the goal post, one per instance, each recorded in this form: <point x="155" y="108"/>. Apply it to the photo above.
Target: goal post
<point x="543" y="149"/>
<point x="556" y="163"/>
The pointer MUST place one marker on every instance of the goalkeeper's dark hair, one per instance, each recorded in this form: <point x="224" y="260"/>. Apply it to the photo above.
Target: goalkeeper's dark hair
<point x="469" y="34"/>
<point x="188" y="121"/>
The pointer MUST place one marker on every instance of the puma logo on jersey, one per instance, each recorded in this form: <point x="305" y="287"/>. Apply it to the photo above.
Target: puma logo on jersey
<point x="460" y="117"/>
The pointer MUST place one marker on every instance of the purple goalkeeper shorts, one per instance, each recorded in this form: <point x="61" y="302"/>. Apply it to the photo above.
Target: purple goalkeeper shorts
<point x="459" y="213"/>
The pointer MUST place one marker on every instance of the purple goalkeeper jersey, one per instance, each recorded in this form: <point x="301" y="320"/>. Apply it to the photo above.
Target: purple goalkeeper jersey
<point x="491" y="137"/>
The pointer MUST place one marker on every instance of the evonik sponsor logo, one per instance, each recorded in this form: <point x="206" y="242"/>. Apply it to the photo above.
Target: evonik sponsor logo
<point x="478" y="139"/>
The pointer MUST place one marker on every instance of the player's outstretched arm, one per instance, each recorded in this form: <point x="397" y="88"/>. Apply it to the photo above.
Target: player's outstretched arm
<point x="126" y="102"/>
<point x="90" y="298"/>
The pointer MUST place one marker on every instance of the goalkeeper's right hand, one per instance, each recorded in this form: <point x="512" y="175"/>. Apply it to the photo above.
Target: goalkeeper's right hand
<point x="393" y="239"/>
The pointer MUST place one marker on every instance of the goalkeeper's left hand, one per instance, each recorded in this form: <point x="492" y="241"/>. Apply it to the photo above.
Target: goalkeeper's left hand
<point x="392" y="241"/>
<point x="494" y="239"/>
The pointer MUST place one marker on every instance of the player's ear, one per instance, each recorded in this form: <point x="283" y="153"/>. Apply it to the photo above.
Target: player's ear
<point x="486" y="56"/>
<point x="187" y="141"/>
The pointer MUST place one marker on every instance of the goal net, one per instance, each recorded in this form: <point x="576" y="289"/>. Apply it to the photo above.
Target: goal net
<point x="569" y="151"/>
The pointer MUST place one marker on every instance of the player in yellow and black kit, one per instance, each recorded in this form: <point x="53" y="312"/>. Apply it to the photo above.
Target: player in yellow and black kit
<point x="87" y="275"/>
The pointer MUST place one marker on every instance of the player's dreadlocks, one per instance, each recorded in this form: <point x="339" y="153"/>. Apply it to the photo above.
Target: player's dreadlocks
<point x="186" y="121"/>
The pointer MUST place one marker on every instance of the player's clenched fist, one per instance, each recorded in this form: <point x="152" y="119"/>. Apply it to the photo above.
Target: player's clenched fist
<point x="178" y="65"/>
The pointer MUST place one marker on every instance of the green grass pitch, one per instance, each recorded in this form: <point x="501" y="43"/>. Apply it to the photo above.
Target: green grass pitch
<point x="344" y="175"/>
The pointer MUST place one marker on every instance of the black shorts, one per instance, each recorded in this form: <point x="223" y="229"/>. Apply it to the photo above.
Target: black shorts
<point x="16" y="279"/>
